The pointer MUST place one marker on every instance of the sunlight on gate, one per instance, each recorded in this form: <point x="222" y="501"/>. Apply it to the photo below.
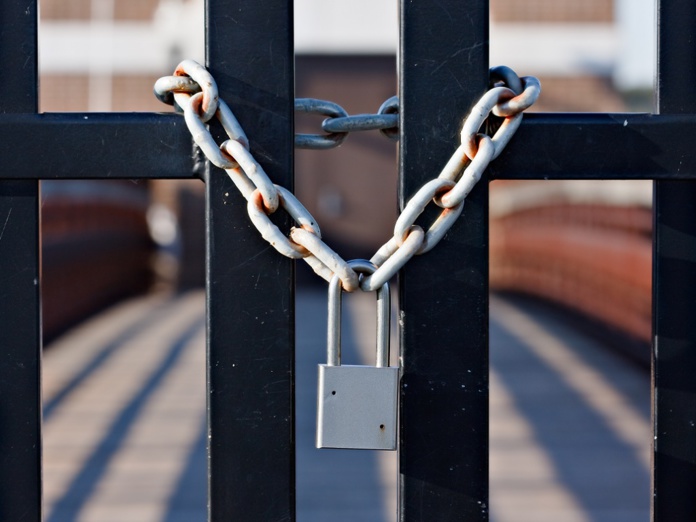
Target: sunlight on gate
<point x="124" y="399"/>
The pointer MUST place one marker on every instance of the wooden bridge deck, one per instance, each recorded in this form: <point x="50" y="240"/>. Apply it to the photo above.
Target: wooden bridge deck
<point x="124" y="439"/>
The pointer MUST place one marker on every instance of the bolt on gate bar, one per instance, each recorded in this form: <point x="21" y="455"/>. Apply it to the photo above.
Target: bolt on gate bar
<point x="443" y="453"/>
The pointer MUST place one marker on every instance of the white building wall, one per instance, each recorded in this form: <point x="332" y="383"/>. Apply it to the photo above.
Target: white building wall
<point x="101" y="47"/>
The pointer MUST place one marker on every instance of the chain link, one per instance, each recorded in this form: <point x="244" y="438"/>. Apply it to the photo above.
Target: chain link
<point x="193" y="89"/>
<point x="391" y="106"/>
<point x="339" y="123"/>
<point x="323" y="108"/>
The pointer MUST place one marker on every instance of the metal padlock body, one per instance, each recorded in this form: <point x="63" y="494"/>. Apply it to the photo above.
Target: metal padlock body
<point x="357" y="405"/>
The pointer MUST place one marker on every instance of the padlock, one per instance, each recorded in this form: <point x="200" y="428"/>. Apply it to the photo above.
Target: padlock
<point x="357" y="405"/>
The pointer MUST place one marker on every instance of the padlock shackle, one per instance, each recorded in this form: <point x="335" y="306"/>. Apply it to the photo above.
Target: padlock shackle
<point x="383" y="325"/>
<point x="333" y="341"/>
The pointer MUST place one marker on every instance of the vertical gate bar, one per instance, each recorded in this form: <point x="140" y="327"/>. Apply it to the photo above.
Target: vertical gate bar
<point x="674" y="287"/>
<point x="20" y="305"/>
<point x="250" y="300"/>
<point x="444" y="293"/>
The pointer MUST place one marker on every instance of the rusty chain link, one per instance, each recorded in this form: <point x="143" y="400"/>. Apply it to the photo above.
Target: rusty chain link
<point x="193" y="89"/>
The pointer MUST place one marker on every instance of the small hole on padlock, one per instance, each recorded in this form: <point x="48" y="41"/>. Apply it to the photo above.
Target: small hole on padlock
<point x="381" y="427"/>
<point x="333" y="392"/>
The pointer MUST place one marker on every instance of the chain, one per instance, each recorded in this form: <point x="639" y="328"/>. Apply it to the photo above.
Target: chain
<point x="194" y="90"/>
<point x="336" y="127"/>
<point x="339" y="123"/>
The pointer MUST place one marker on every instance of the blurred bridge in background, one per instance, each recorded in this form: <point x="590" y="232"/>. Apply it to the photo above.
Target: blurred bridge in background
<point x="584" y="245"/>
<point x="125" y="435"/>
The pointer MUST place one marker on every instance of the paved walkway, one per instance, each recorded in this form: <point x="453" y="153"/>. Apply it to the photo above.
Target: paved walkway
<point x="124" y="437"/>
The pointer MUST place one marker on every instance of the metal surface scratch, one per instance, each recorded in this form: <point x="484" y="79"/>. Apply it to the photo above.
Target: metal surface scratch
<point x="4" y="226"/>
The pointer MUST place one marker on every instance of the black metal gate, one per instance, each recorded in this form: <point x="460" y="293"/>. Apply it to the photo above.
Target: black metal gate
<point x="443" y="451"/>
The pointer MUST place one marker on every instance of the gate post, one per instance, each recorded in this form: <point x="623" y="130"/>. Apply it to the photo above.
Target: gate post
<point x="20" y="304"/>
<point x="444" y="293"/>
<point x="250" y="287"/>
<point x="674" y="283"/>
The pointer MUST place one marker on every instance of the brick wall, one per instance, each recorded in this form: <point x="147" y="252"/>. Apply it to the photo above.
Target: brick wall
<point x="65" y="9"/>
<point x="578" y="94"/>
<point x="70" y="93"/>
<point x="135" y="9"/>
<point x="82" y="9"/>
<point x="552" y="10"/>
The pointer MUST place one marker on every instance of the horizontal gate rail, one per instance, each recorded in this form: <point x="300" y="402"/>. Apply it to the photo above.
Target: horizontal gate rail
<point x="600" y="146"/>
<point x="614" y="146"/>
<point x="96" y="145"/>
